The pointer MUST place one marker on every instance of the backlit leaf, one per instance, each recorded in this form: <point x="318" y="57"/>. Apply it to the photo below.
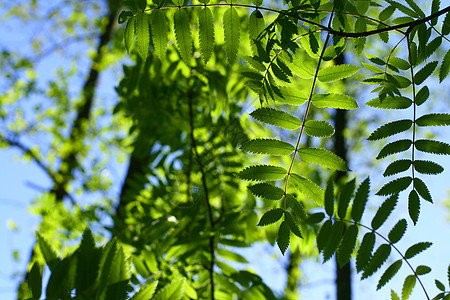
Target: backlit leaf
<point x="271" y="216"/>
<point x="319" y="128"/>
<point x="173" y="290"/>
<point x="128" y="34"/>
<point x="206" y="33"/>
<point x="283" y="237"/>
<point x="347" y="245"/>
<point x="434" y="147"/>
<point x="389" y="102"/>
<point x="329" y="198"/>
<point x="394" y="147"/>
<point x="427" y="167"/>
<point x="255" y="63"/>
<point x="230" y="255"/>
<point x="159" y="32"/>
<point x="389" y="273"/>
<point x="268" y="146"/>
<point x="397" y="167"/>
<point x="262" y="173"/>
<point x="231" y="27"/>
<point x="408" y="286"/>
<point x="276" y="117"/>
<point x="395" y="186"/>
<point x="142" y="35"/>
<point x="297" y="207"/>
<point x="146" y="291"/>
<point x="377" y="260"/>
<point x="361" y="197"/>
<point x="323" y="158"/>
<point x="445" y="66"/>
<point x="384" y="211"/>
<point x="425" y="72"/>
<point x="422" y="95"/>
<point x="266" y="190"/>
<point x="292" y="225"/>
<point x="255" y="26"/>
<point x="183" y="35"/>
<point x="308" y="188"/>
<point x="334" y="101"/>
<point x="291" y="96"/>
<point x="337" y="72"/>
<point x="48" y="252"/>
<point x="422" y="270"/>
<point x="389" y="129"/>
<point x="434" y="120"/>
<point x="334" y="239"/>
<point x="324" y="235"/>
<point x="365" y="251"/>
<point x="344" y="198"/>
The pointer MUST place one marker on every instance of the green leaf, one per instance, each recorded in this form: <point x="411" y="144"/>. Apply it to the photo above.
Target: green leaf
<point x="416" y="8"/>
<point x="229" y="255"/>
<point x="425" y="72"/>
<point x="427" y="167"/>
<point x="35" y="280"/>
<point x="347" y="245"/>
<point x="414" y="206"/>
<point x="88" y="259"/>
<point x="141" y="4"/>
<point x="422" y="189"/>
<point x="334" y="239"/>
<point x="446" y="25"/>
<point x="291" y="96"/>
<point x="268" y="146"/>
<point x="315" y="218"/>
<point x="253" y="75"/>
<point x="394" y="296"/>
<point x="255" y="63"/>
<point x="434" y="120"/>
<point x="297" y="207"/>
<point x="231" y="28"/>
<point x="279" y="73"/>
<point x="146" y="291"/>
<point x="262" y="173"/>
<point x="301" y="67"/>
<point x="344" y="198"/>
<point x="373" y="68"/>
<point x="397" y="167"/>
<point x="386" y="13"/>
<point x="271" y="216"/>
<point x="408" y="286"/>
<point x="319" y="128"/>
<point x="394" y="147"/>
<point x="257" y="2"/>
<point x="384" y="211"/>
<point x="276" y="117"/>
<point x="183" y="35"/>
<point x="395" y="186"/>
<point x="266" y="190"/>
<point x="124" y="15"/>
<point x="159" y="32"/>
<point x="323" y="158"/>
<point x="439" y="285"/>
<point x="308" y="188"/>
<point x="142" y="35"/>
<point x="377" y="260"/>
<point x="403" y="8"/>
<point x="434" y="147"/>
<point x="445" y="66"/>
<point x="361" y="197"/>
<point x="365" y="251"/>
<point x="416" y="249"/>
<point x="292" y="225"/>
<point x="337" y="72"/>
<point x="389" y="273"/>
<point x="334" y="101"/>
<point x="329" y="198"/>
<point x="324" y="235"/>
<point x="283" y="237"/>
<point x="206" y="33"/>
<point x="49" y="253"/>
<point x="390" y="129"/>
<point x="422" y="270"/>
<point x="422" y="95"/>
<point x="397" y="231"/>
<point x="398" y="102"/>
<point x="128" y="34"/>
<point x="256" y="25"/>
<point x="173" y="291"/>
<point x="399" y="63"/>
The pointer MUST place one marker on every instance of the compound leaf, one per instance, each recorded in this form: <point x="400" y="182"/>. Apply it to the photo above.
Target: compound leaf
<point x="266" y="190"/>
<point x="394" y="147"/>
<point x="159" y="32"/>
<point x="398" y="102"/>
<point x="425" y="72"/>
<point x="276" y="117"/>
<point x="283" y="237"/>
<point x="434" y="120"/>
<point x="337" y="72"/>
<point x="431" y="146"/>
<point x="334" y="101"/>
<point x="142" y="35"/>
<point x="377" y="260"/>
<point x="268" y="146"/>
<point x="262" y="173"/>
<point x="323" y="158"/>
<point x="271" y="216"/>
<point x="319" y="128"/>
<point x="231" y="29"/>
<point x="308" y="188"/>
<point x="390" y="129"/>
<point x="427" y="167"/>
<point x="206" y="33"/>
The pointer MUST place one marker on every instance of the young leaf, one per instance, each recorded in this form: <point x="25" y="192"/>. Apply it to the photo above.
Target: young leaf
<point x="422" y="95"/>
<point x="422" y="189"/>
<point x="173" y="290"/>
<point x="397" y="231"/>
<point x="434" y="147"/>
<point x="159" y="32"/>
<point x="394" y="296"/>
<point x="329" y="198"/>
<point x="427" y="167"/>
<point x="324" y="235"/>
<point x="394" y="147"/>
<point x="365" y="251"/>
<point x="268" y="146"/>
<point x="323" y="158"/>
<point x="206" y="33"/>
<point x="344" y="198"/>
<point x="422" y="270"/>
<point x="377" y="260"/>
<point x="335" y="237"/>
<point x="262" y="173"/>
<point x="183" y="35"/>
<point x="398" y="102"/>
<point x="384" y="211"/>
<point x="347" y="245"/>
<point x="319" y="128"/>
<point x="334" y="101"/>
<point x="283" y="237"/>
<point x="395" y="186"/>
<point x="276" y="117"/>
<point x="416" y="249"/>
<point x="408" y="286"/>
<point x="128" y="34"/>
<point x="297" y="207"/>
<point x="146" y="291"/>
<point x="337" y="72"/>
<point x="271" y="216"/>
<point x="361" y="197"/>
<point x="142" y="35"/>
<point x="390" y="129"/>
<point x="397" y="167"/>
<point x="292" y="225"/>
<point x="389" y="273"/>
<point x="267" y="191"/>
<point x="425" y="72"/>
<point x="231" y="28"/>
<point x="445" y="67"/>
<point x="414" y="206"/>
<point x="308" y="188"/>
<point x="434" y="120"/>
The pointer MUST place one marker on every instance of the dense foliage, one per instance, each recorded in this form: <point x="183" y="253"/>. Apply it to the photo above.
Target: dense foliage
<point x="203" y="179"/>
